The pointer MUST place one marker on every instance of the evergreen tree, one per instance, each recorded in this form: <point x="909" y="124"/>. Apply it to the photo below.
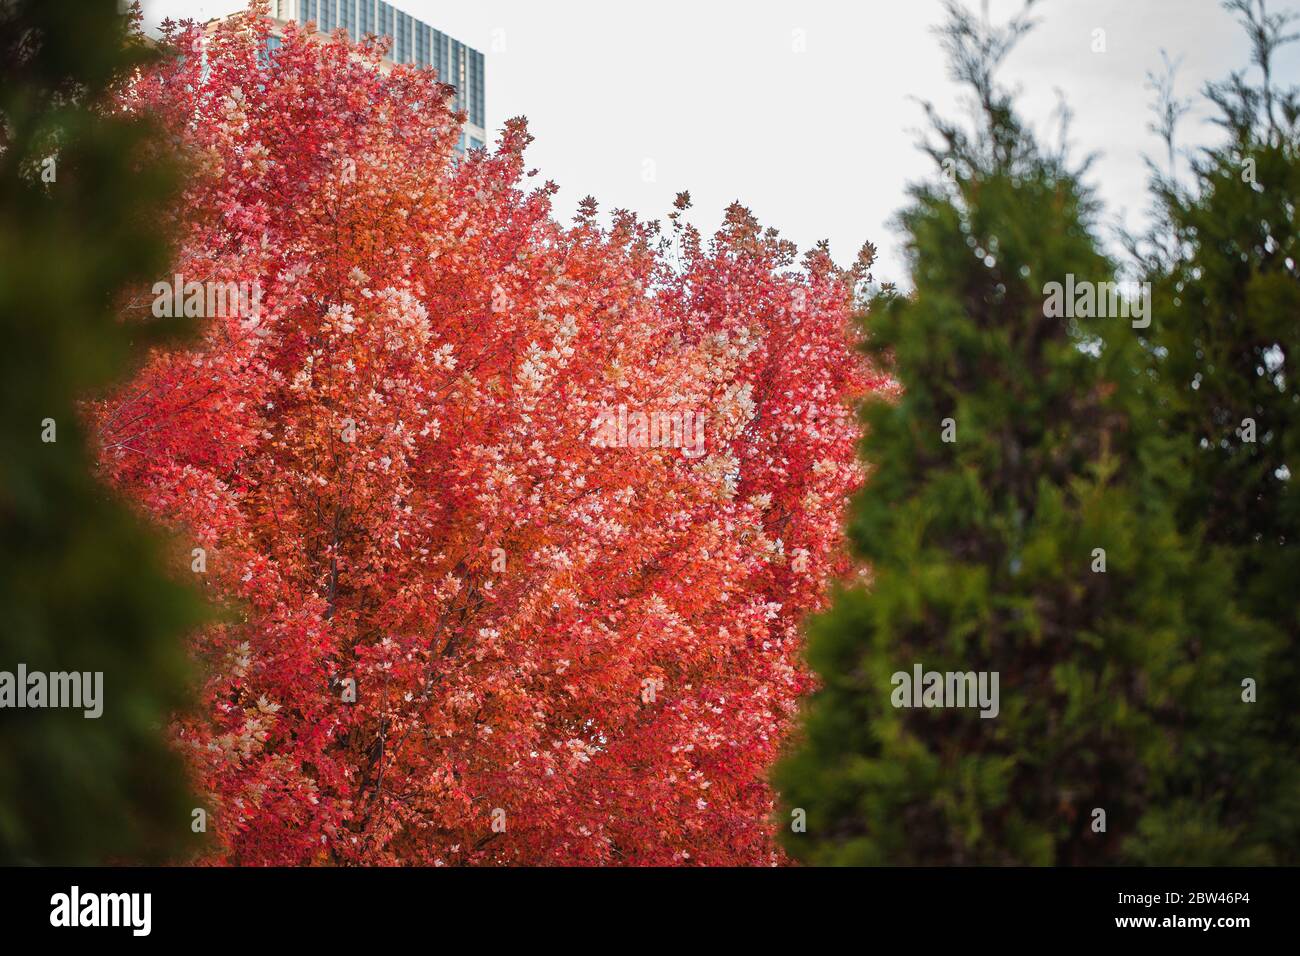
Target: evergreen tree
<point x="81" y="581"/>
<point x="1015" y="521"/>
<point x="1223" y="258"/>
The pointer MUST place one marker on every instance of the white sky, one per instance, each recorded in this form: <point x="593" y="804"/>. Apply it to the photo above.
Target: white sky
<point x="712" y="96"/>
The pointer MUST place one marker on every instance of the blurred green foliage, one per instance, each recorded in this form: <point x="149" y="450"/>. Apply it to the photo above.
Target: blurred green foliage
<point x="82" y="581"/>
<point x="1224" y="261"/>
<point x="1120" y="690"/>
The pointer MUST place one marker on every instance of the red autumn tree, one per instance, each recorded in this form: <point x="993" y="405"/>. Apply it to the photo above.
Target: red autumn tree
<point x="516" y="521"/>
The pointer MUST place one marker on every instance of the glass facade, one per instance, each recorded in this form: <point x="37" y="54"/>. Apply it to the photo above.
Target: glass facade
<point x="403" y="52"/>
<point x="265" y="54"/>
<point x="454" y="76"/>
<point x="476" y="87"/>
<point x="411" y="41"/>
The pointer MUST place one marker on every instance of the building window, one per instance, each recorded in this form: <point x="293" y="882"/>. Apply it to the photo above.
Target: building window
<point x="462" y="78"/>
<point x="477" y="109"/>
<point x="403" y="37"/>
<point x="348" y="14"/>
<point x="367" y="24"/>
<point x="457" y="75"/>
<point x="268" y="50"/>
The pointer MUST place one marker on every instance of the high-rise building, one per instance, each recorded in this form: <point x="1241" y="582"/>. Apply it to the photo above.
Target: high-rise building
<point x="412" y="41"/>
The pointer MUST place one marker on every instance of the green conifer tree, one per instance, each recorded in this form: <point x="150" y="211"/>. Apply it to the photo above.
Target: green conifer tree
<point x="1016" y="520"/>
<point x="1224" y="260"/>
<point x="82" y="582"/>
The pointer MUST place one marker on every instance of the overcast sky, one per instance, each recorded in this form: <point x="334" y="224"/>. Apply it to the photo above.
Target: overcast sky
<point x="804" y="110"/>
